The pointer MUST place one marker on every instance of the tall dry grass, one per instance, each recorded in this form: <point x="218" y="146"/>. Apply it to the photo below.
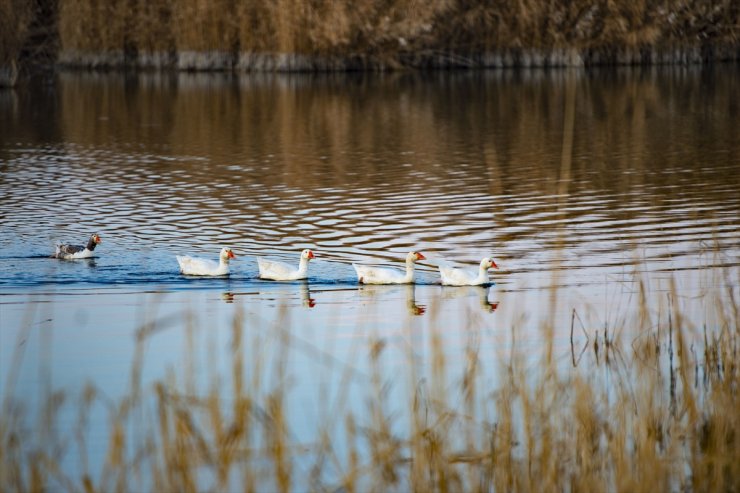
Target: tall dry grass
<point x="651" y="412"/>
<point x="400" y="32"/>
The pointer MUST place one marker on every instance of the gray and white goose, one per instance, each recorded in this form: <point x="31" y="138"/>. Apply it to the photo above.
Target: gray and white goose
<point x="71" y="252"/>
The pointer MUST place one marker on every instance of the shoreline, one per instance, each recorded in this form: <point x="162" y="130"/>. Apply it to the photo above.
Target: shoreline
<point x="300" y="36"/>
<point x="222" y="61"/>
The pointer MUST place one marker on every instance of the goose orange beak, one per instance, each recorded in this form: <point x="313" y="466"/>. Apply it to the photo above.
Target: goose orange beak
<point x="310" y="254"/>
<point x="231" y="254"/>
<point x="420" y="256"/>
<point x="493" y="264"/>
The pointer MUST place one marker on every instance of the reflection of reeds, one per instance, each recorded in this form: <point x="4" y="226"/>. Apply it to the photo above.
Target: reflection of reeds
<point x="511" y="117"/>
<point x="627" y="134"/>
<point x="665" y="419"/>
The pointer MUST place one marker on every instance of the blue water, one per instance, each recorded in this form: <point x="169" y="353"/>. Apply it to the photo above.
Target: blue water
<point x="456" y="165"/>
<point x="157" y="269"/>
<point x="368" y="172"/>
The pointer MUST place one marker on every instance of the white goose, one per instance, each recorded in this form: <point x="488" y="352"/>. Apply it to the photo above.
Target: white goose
<point x="192" y="266"/>
<point x="367" y="274"/>
<point x="280" y="271"/>
<point x="459" y="277"/>
<point x="70" y="252"/>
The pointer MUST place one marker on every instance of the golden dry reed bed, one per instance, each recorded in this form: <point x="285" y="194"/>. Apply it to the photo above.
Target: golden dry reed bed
<point x="666" y="420"/>
<point x="329" y="34"/>
<point x="338" y="35"/>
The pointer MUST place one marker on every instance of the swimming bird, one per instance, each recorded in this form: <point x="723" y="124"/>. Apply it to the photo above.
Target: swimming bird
<point x="193" y="266"/>
<point x="280" y="271"/>
<point x="70" y="252"/>
<point x="459" y="277"/>
<point x="368" y="274"/>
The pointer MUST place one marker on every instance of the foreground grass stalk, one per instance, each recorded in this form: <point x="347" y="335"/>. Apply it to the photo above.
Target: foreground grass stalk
<point x="659" y="413"/>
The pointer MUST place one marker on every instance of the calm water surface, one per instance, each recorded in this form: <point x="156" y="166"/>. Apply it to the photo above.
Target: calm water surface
<point x="360" y="169"/>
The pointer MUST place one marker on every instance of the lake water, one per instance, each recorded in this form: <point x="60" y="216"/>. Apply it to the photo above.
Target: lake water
<point x="579" y="185"/>
<point x="365" y="168"/>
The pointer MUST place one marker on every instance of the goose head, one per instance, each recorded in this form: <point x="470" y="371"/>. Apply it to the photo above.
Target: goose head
<point x="488" y="263"/>
<point x="307" y="254"/>
<point x="226" y="254"/>
<point x="93" y="242"/>
<point x="414" y="256"/>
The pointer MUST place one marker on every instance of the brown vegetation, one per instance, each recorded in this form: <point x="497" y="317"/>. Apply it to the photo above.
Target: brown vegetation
<point x="665" y="419"/>
<point x="326" y="34"/>
<point x="15" y="17"/>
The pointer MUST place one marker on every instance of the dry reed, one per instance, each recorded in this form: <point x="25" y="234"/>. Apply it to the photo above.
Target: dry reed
<point x="666" y="421"/>
<point x="330" y="35"/>
<point x="323" y="34"/>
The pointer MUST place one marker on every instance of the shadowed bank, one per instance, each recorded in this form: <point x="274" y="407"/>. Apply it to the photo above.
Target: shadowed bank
<point x="298" y="35"/>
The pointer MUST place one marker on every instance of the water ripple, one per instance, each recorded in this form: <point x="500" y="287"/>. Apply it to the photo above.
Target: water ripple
<point x="268" y="187"/>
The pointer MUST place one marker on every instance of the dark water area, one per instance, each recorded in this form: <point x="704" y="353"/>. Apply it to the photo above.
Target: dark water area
<point x="590" y="189"/>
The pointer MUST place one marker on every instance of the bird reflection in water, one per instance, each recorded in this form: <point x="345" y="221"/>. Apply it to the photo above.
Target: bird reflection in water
<point x="385" y="290"/>
<point x="306" y="299"/>
<point x="414" y="309"/>
<point x="304" y="293"/>
<point x="481" y="292"/>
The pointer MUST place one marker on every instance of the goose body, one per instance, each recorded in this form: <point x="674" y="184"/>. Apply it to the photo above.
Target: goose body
<point x="71" y="252"/>
<point x="462" y="277"/>
<point x="280" y="271"/>
<point x="193" y="266"/>
<point x="369" y="274"/>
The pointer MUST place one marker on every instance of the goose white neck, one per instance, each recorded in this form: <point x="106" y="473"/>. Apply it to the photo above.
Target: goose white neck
<point x="482" y="275"/>
<point x="303" y="266"/>
<point x="410" y="269"/>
